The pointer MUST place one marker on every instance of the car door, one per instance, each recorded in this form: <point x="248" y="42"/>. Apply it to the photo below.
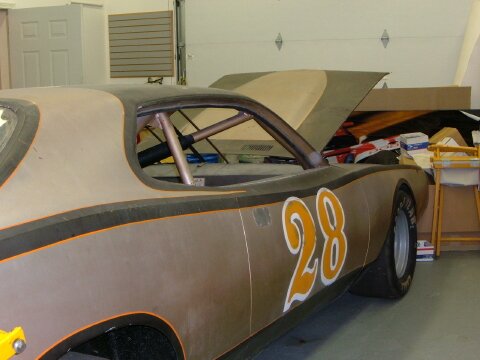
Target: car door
<point x="305" y="234"/>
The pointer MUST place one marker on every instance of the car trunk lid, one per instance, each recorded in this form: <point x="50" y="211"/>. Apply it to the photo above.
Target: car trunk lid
<point x="314" y="102"/>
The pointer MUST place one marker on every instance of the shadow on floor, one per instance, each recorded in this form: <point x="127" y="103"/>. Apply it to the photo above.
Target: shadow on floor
<point x="438" y="319"/>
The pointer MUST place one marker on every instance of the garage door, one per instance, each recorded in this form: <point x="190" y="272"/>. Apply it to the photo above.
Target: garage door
<point x="230" y="36"/>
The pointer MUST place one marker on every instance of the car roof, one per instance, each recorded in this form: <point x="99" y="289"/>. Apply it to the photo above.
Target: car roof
<point x="145" y="93"/>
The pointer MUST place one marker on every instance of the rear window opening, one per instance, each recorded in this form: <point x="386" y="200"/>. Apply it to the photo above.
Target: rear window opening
<point x="220" y="146"/>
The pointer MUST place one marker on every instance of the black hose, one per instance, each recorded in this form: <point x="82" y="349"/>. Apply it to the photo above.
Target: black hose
<point x="162" y="151"/>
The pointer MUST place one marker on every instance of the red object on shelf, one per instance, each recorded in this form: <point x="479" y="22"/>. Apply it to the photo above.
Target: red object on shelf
<point x="361" y="151"/>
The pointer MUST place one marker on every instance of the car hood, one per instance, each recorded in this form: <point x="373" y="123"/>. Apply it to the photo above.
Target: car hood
<point x="314" y="102"/>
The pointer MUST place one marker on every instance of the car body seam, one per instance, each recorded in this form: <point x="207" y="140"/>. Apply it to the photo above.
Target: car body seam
<point x="249" y="270"/>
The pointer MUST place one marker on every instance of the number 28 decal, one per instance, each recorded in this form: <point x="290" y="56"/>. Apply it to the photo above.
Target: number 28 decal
<point x="300" y="235"/>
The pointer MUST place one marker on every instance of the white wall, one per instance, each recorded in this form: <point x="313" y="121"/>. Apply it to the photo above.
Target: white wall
<point x="468" y="70"/>
<point x="19" y="4"/>
<point x="95" y="52"/>
<point x="227" y="36"/>
<point x="472" y="76"/>
<point x="110" y="7"/>
<point x="126" y="6"/>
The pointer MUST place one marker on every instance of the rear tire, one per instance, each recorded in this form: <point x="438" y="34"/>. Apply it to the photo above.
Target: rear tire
<point x="134" y="342"/>
<point x="391" y="274"/>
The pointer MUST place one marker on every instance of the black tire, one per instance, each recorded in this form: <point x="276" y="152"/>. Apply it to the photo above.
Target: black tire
<point x="391" y="274"/>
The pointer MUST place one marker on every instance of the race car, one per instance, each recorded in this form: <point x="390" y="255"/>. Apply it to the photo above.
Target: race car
<point x="111" y="248"/>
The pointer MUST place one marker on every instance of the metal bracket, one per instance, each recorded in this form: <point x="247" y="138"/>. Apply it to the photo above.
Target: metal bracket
<point x="279" y="41"/>
<point x="385" y="39"/>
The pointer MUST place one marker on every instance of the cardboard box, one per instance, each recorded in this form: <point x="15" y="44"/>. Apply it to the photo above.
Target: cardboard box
<point x="449" y="137"/>
<point x="404" y="160"/>
<point x="459" y="218"/>
<point x="425" y="251"/>
<point x="460" y="214"/>
<point x="448" y="132"/>
<point x="413" y="143"/>
<point x="432" y="98"/>
<point x="425" y="246"/>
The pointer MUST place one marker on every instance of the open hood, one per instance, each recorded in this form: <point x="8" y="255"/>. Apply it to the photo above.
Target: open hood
<point x="313" y="102"/>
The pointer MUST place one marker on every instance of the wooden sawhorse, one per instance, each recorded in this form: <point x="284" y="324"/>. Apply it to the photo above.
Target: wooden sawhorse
<point x="439" y="163"/>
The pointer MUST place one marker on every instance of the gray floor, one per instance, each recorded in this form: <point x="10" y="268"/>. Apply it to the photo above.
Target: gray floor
<point x="438" y="319"/>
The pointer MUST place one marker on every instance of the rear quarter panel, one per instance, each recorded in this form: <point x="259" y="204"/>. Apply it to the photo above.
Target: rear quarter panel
<point x="273" y="263"/>
<point x="380" y="188"/>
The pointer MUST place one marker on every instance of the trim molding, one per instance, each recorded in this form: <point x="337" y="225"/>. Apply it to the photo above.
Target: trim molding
<point x="98" y="3"/>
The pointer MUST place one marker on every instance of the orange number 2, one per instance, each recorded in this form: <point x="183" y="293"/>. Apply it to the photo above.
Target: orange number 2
<point x="299" y="230"/>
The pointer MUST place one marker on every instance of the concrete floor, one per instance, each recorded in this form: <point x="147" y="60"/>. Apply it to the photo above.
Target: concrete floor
<point x="438" y="319"/>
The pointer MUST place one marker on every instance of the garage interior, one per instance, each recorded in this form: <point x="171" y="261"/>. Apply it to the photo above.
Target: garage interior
<point x="425" y="111"/>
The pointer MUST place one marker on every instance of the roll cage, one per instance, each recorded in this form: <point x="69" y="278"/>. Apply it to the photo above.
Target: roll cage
<point x="245" y="109"/>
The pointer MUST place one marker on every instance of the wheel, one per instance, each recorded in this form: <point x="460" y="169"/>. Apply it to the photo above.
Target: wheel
<point x="134" y="342"/>
<point x="391" y="274"/>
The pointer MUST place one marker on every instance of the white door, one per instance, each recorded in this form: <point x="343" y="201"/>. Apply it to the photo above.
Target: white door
<point x="46" y="46"/>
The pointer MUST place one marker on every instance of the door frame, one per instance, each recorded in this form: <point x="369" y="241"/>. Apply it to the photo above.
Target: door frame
<point x="180" y="39"/>
<point x="4" y="55"/>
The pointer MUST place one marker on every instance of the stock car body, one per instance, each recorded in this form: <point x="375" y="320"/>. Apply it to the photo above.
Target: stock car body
<point x="108" y="250"/>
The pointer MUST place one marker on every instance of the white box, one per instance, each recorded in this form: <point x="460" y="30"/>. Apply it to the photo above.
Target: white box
<point x="425" y="258"/>
<point x="460" y="177"/>
<point x="425" y="251"/>
<point x="413" y="143"/>
<point x="424" y="245"/>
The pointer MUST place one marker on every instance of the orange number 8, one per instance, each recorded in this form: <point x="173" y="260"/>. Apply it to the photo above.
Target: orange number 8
<point x="332" y="222"/>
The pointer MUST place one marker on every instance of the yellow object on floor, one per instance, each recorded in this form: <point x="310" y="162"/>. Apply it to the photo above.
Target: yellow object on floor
<point x="11" y="343"/>
<point x="469" y="163"/>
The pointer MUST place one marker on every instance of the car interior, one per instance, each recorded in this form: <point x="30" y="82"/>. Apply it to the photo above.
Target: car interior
<point x="185" y="146"/>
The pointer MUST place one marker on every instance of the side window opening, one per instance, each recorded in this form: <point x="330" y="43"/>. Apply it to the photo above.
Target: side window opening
<point x="209" y="147"/>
